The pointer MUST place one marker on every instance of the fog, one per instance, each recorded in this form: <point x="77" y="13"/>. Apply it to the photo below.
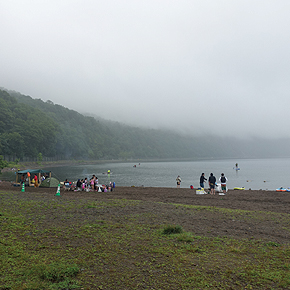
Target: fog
<point x="199" y="67"/>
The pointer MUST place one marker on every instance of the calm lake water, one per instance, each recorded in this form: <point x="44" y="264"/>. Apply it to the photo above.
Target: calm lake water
<point x="254" y="173"/>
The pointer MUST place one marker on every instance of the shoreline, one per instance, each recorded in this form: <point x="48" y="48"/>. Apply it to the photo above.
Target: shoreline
<point x="12" y="185"/>
<point x="249" y="200"/>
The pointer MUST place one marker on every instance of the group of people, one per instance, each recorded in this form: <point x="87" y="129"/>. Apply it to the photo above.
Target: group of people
<point x="34" y="179"/>
<point x="211" y="182"/>
<point x="86" y="184"/>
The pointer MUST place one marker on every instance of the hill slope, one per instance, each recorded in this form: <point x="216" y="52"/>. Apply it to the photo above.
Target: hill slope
<point x="31" y="126"/>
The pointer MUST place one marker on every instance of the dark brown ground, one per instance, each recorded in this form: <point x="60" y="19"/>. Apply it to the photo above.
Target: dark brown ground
<point x="159" y="203"/>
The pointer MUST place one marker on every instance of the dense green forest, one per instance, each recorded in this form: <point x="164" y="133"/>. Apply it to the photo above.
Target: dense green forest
<point x="29" y="127"/>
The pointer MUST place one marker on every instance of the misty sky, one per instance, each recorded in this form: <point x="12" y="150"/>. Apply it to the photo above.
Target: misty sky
<point x="206" y="66"/>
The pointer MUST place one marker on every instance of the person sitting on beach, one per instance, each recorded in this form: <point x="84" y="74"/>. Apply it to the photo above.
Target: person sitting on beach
<point x="79" y="185"/>
<point x="66" y="185"/>
<point x="212" y="181"/>
<point x="83" y="185"/>
<point x="96" y="183"/>
<point x="86" y="182"/>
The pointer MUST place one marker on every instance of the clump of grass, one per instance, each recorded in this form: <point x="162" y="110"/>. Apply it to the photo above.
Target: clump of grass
<point x="169" y="230"/>
<point x="186" y="237"/>
<point x="273" y="244"/>
<point x="68" y="285"/>
<point x="56" y="272"/>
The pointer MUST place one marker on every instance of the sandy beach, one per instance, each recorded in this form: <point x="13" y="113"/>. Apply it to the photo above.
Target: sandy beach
<point x="164" y="202"/>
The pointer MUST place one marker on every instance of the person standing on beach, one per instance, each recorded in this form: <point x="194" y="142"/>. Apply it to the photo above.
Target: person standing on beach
<point x="35" y="181"/>
<point x="201" y="180"/>
<point x="212" y="181"/>
<point x="92" y="182"/>
<point x="223" y="180"/>
<point x="178" y="181"/>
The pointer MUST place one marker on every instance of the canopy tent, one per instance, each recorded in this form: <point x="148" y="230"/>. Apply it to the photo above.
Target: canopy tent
<point x="38" y="172"/>
<point x="33" y="171"/>
<point x="49" y="182"/>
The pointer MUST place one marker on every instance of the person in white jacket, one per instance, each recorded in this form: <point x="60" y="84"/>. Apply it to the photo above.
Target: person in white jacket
<point x="223" y="180"/>
<point x="178" y="181"/>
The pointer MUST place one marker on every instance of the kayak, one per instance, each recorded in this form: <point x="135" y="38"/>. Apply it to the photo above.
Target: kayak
<point x="239" y="188"/>
<point x="281" y="189"/>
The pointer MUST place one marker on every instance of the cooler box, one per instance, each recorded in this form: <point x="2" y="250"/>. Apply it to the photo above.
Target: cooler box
<point x="200" y="191"/>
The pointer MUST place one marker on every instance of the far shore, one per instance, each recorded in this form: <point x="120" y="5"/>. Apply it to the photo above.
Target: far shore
<point x="46" y="164"/>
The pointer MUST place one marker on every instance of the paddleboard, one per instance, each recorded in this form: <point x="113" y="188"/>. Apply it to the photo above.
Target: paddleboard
<point x="239" y="188"/>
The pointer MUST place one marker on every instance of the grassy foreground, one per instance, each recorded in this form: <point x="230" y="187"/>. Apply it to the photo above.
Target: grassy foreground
<point x="55" y="244"/>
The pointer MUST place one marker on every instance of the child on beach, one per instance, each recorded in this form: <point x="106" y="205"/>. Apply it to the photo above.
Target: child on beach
<point x="178" y="181"/>
<point x="92" y="183"/>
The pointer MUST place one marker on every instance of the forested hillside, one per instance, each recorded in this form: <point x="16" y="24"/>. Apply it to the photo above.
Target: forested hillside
<point x="30" y="126"/>
<point x="25" y="131"/>
<point x="56" y="131"/>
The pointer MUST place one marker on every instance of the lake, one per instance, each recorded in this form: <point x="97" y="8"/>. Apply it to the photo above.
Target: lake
<point x="254" y="173"/>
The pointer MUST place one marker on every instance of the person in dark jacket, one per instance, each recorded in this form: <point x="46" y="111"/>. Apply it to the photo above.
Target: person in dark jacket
<point x="79" y="185"/>
<point x="212" y="181"/>
<point x="201" y="180"/>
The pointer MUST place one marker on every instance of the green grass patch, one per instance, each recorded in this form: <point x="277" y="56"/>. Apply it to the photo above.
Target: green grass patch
<point x="169" y="230"/>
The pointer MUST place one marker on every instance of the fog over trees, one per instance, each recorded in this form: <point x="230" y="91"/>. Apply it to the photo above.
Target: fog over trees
<point x="202" y="67"/>
<point x="31" y="126"/>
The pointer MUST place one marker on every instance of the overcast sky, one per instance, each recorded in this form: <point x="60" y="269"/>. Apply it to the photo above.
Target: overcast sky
<point x="200" y="66"/>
